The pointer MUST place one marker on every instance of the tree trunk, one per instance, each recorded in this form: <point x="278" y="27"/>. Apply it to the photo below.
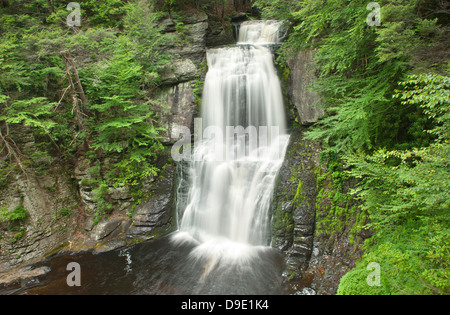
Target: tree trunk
<point x="78" y="111"/>
<point x="77" y="82"/>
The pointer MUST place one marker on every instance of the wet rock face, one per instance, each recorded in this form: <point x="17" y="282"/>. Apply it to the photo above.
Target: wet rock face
<point x="177" y="110"/>
<point x="294" y="209"/>
<point x="155" y="216"/>
<point x="194" y="33"/>
<point x="316" y="255"/>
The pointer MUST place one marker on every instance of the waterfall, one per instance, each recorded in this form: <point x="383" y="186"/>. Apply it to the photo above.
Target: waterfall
<point x="240" y="145"/>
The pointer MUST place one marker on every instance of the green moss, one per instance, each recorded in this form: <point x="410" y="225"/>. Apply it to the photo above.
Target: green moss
<point x="299" y="194"/>
<point x="336" y="209"/>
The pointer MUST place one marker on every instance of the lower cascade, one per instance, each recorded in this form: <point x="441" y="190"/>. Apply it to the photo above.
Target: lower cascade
<point x="239" y="148"/>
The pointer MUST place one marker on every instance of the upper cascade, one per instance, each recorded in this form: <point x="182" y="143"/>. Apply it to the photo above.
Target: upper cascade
<point x="261" y="32"/>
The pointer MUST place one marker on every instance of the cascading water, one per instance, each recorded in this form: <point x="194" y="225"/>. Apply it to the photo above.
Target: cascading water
<point x="241" y="148"/>
<point x="261" y="32"/>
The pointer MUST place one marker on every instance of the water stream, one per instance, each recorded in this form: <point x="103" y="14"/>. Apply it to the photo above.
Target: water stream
<point x="235" y="163"/>
<point x="236" y="160"/>
<point x="223" y="242"/>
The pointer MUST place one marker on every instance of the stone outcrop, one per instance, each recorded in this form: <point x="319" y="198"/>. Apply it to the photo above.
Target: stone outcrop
<point x="302" y="75"/>
<point x="177" y="109"/>
<point x="295" y="202"/>
<point x="156" y="214"/>
<point x="190" y="41"/>
<point x="220" y="32"/>
<point x="320" y="246"/>
<point x="317" y="253"/>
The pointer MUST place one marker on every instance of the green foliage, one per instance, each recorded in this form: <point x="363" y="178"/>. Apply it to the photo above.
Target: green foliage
<point x="335" y="207"/>
<point x="16" y="220"/>
<point x="415" y="182"/>
<point x="406" y="265"/>
<point x="65" y="212"/>
<point x="359" y="67"/>
<point x="103" y="206"/>
<point x="407" y="195"/>
<point x="117" y="55"/>
<point x="108" y="13"/>
<point x="123" y="123"/>
<point x="147" y="40"/>
<point x="34" y="112"/>
<point x="431" y="93"/>
<point x="278" y="9"/>
<point x="19" y="214"/>
<point x="391" y="128"/>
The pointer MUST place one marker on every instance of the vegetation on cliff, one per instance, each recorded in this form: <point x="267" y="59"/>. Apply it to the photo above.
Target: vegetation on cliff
<point x="385" y="89"/>
<point x="82" y="90"/>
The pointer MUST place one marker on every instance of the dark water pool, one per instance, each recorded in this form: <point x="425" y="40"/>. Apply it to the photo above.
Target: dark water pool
<point x="160" y="267"/>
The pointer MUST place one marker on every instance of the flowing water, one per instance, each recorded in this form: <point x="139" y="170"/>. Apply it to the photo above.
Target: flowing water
<point x="239" y="151"/>
<point x="223" y="242"/>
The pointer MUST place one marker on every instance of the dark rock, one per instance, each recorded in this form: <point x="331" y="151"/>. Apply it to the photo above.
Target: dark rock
<point x="154" y="216"/>
<point x="153" y="212"/>
<point x="239" y="17"/>
<point x="219" y="33"/>
<point x="295" y="196"/>
<point x="194" y="18"/>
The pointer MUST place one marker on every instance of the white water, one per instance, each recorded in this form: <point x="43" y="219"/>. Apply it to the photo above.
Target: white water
<point x="260" y="32"/>
<point x="232" y="177"/>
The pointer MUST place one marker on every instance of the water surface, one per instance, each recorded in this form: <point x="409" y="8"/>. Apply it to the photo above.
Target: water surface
<point x="161" y="267"/>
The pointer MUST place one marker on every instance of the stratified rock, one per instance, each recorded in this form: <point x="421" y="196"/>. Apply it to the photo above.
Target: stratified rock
<point x="154" y="216"/>
<point x="295" y="202"/>
<point x="179" y="71"/>
<point x="105" y="228"/>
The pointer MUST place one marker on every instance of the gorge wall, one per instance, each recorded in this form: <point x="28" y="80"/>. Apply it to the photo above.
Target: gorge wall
<point x="61" y="200"/>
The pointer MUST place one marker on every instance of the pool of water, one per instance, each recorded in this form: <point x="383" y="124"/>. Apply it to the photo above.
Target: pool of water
<point x="160" y="267"/>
